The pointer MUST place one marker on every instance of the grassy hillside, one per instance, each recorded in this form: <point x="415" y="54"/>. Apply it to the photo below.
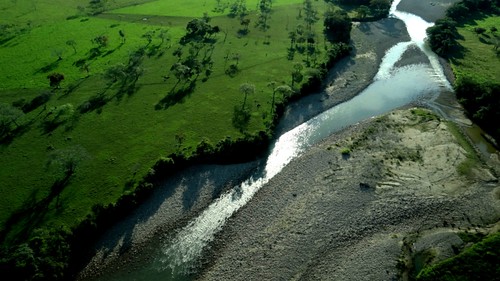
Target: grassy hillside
<point x="92" y="139"/>
<point x="479" y="56"/>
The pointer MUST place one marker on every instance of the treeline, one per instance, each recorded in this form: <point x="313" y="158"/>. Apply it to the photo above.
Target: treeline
<point x="479" y="96"/>
<point x="442" y="37"/>
<point x="367" y="10"/>
<point x="55" y="253"/>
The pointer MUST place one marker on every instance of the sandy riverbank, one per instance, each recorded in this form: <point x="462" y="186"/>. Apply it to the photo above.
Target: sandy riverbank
<point x="329" y="216"/>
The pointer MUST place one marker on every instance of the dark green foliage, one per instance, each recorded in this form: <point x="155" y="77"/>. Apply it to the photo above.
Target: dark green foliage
<point x="55" y="79"/>
<point x="337" y="26"/>
<point x="481" y="99"/>
<point x="44" y="256"/>
<point x="264" y="14"/>
<point x="101" y="41"/>
<point x="350" y="2"/>
<point x="237" y="9"/>
<point x="199" y="30"/>
<point x="96" y="6"/>
<point x="457" y="11"/>
<point x="479" y="30"/>
<point x="442" y="36"/>
<point x="480" y="262"/>
<point x="380" y="7"/>
<point x="8" y="117"/>
<point x="65" y="161"/>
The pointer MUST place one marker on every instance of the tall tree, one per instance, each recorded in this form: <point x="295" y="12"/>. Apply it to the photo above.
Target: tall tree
<point x="246" y="89"/>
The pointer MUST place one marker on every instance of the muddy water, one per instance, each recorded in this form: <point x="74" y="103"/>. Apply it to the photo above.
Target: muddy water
<point x="392" y="87"/>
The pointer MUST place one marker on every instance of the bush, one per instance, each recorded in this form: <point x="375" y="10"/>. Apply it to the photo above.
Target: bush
<point x="44" y="257"/>
<point x="442" y="36"/>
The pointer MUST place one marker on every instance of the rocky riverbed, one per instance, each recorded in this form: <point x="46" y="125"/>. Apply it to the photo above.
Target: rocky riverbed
<point x="346" y="208"/>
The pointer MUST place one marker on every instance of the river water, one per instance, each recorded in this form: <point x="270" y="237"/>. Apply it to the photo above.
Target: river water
<point x="392" y="87"/>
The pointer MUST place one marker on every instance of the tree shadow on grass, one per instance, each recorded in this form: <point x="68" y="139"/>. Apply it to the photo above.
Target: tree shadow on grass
<point x="7" y="137"/>
<point x="48" y="126"/>
<point x="32" y="212"/>
<point x="49" y="67"/>
<point x="177" y="96"/>
<point x="72" y="87"/>
<point x="95" y="102"/>
<point x="241" y="118"/>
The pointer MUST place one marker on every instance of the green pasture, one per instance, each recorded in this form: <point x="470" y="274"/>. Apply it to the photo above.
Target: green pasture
<point x="125" y="136"/>
<point x="192" y="8"/>
<point x="478" y="58"/>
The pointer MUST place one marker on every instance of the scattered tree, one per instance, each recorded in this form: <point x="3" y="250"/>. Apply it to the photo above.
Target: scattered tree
<point x="181" y="72"/>
<point x="8" y="116"/>
<point x="245" y="22"/>
<point x="362" y="11"/>
<point x="67" y="160"/>
<point x="55" y="79"/>
<point x="97" y="6"/>
<point x="297" y="75"/>
<point x="148" y="36"/>
<point x="116" y="72"/>
<point x="199" y="30"/>
<point x="58" y="53"/>
<point x="264" y="14"/>
<point x="72" y="44"/>
<point x="246" y="89"/>
<point x="284" y="90"/>
<point x="101" y="41"/>
<point x="122" y="35"/>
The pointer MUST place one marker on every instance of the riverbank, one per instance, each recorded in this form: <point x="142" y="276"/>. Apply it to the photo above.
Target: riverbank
<point x="346" y="216"/>
<point x="191" y="191"/>
<point x="130" y="248"/>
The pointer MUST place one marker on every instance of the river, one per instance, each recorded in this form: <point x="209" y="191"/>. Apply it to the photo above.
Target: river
<point x="392" y="87"/>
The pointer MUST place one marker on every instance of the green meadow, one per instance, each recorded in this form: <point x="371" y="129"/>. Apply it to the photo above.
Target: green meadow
<point x="114" y="129"/>
<point x="478" y="58"/>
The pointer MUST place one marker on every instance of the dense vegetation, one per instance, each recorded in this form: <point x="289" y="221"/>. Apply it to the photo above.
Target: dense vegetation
<point x="479" y="262"/>
<point x="365" y="10"/>
<point x="469" y="38"/>
<point x="100" y="100"/>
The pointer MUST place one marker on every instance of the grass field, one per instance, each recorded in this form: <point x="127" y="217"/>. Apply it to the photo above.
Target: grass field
<point x="120" y="140"/>
<point x="479" y="58"/>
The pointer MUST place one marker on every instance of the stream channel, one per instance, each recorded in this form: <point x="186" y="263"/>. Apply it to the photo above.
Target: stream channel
<point x="392" y="87"/>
